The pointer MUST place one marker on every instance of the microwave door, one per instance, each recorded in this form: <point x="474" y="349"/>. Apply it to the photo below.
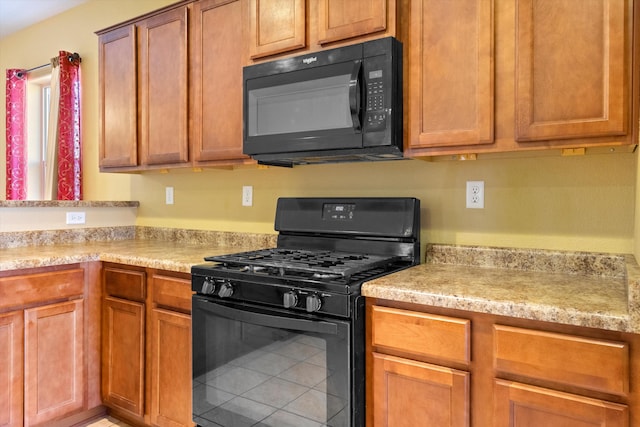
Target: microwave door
<point x="313" y="109"/>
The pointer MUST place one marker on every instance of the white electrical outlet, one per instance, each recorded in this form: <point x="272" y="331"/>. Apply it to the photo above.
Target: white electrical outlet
<point x="75" y="218"/>
<point x="247" y="195"/>
<point x="475" y="194"/>
<point x="168" y="195"/>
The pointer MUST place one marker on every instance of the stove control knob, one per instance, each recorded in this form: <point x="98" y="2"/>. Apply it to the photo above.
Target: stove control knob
<point x="313" y="303"/>
<point x="290" y="299"/>
<point x="207" y="287"/>
<point x="226" y="290"/>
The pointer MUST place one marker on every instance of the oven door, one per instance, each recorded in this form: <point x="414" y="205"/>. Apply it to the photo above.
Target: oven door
<point x="268" y="367"/>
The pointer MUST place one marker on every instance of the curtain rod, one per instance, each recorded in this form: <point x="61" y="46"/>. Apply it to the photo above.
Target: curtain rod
<point x="71" y="57"/>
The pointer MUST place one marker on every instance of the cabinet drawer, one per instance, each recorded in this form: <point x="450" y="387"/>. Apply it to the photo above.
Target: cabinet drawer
<point x="28" y="289"/>
<point x="421" y="334"/>
<point x="172" y="292"/>
<point x="566" y="359"/>
<point x="519" y="404"/>
<point x="125" y="284"/>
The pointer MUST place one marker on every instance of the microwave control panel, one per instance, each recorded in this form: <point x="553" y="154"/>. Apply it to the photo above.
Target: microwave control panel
<point x="375" y="115"/>
<point x="375" y="118"/>
<point x="377" y="90"/>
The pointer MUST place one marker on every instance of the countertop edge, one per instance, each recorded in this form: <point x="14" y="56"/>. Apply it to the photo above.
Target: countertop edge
<point x="539" y="312"/>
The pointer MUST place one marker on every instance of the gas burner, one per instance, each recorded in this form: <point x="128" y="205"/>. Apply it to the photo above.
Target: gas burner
<point x="317" y="264"/>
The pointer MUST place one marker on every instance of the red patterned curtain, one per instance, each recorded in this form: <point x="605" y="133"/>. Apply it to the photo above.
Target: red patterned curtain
<point x="69" y="138"/>
<point x="16" y="135"/>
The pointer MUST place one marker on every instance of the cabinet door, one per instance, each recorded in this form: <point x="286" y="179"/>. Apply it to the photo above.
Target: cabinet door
<point x="217" y="59"/>
<point x="450" y="89"/>
<point x="572" y="72"/>
<point x="54" y="369"/>
<point x="407" y="393"/>
<point x="11" y="368"/>
<point x="276" y="26"/>
<point x="521" y="405"/>
<point x="123" y="355"/>
<point x="170" y="355"/>
<point x="339" y="20"/>
<point x="118" y="100"/>
<point x="163" y="88"/>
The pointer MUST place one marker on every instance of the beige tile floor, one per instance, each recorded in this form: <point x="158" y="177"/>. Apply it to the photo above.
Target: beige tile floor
<point x="106" y="421"/>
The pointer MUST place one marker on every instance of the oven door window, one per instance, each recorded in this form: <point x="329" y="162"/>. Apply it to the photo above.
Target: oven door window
<point x="253" y="367"/>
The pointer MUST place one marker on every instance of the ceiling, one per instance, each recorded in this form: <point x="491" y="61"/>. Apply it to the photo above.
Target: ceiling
<point x="18" y="14"/>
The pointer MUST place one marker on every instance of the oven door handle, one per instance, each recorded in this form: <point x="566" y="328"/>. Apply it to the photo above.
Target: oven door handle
<point x="274" y="321"/>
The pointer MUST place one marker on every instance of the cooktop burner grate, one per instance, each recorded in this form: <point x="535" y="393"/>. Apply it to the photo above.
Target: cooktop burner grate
<point x="319" y="264"/>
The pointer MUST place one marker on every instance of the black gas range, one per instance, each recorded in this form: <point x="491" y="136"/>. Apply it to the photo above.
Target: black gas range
<point x="302" y="294"/>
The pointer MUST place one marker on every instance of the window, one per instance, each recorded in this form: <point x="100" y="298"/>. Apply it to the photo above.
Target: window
<point x="38" y="102"/>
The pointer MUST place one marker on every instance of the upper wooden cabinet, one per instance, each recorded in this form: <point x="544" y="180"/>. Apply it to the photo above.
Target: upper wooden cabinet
<point x="118" y="99"/>
<point x="144" y="93"/>
<point x="276" y="26"/>
<point x="572" y="68"/>
<point x="295" y="26"/>
<point x="216" y="81"/>
<point x="340" y="20"/>
<point x="449" y="90"/>
<point x="163" y="88"/>
<point x="480" y="76"/>
<point x="502" y="75"/>
<point x="171" y="88"/>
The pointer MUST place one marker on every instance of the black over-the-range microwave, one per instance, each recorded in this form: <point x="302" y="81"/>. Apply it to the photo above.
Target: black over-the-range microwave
<point x="337" y="105"/>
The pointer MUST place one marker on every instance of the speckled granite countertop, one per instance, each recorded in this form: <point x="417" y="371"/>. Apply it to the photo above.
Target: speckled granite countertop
<point x="583" y="289"/>
<point x="167" y="249"/>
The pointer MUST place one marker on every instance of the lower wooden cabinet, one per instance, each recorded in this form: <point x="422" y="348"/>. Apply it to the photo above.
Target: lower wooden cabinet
<point x="170" y="354"/>
<point x="522" y="405"/>
<point x="409" y="393"/>
<point x="431" y="366"/>
<point x="123" y="355"/>
<point x="47" y="348"/>
<point x="54" y="369"/>
<point x="146" y="353"/>
<point x="406" y="391"/>
<point x="11" y="368"/>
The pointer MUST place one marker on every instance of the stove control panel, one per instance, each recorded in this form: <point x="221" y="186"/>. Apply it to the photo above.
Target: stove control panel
<point x="274" y="294"/>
